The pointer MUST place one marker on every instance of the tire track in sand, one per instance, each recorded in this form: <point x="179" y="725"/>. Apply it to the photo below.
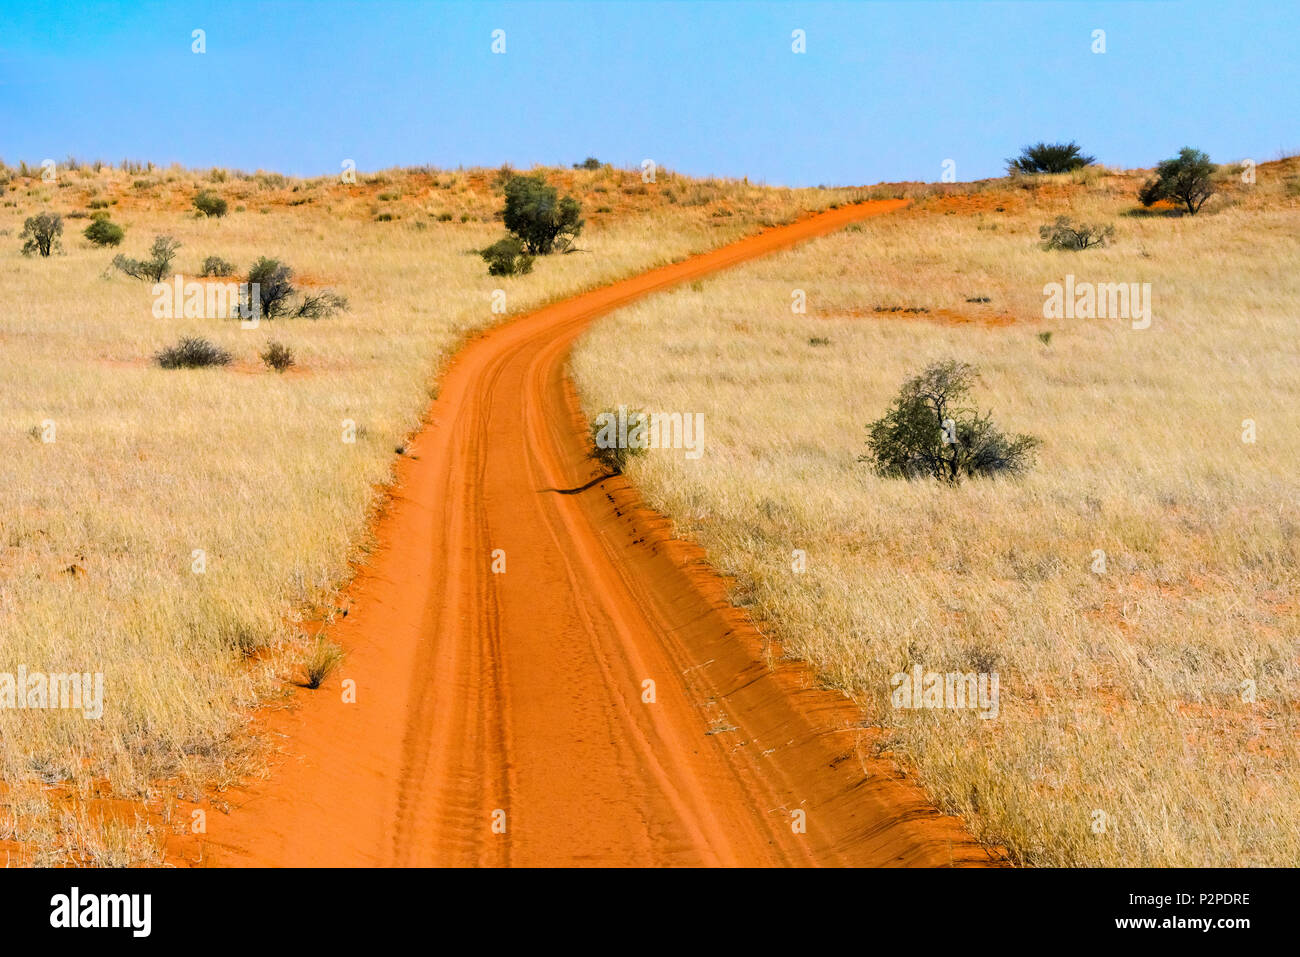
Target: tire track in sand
<point x="519" y="694"/>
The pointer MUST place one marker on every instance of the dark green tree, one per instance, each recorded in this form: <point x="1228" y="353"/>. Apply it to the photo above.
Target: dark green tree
<point x="41" y="233"/>
<point x="1186" y="179"/>
<point x="929" y="433"/>
<point x="274" y="282"/>
<point x="209" y="203"/>
<point x="1049" y="158"/>
<point x="534" y="212"/>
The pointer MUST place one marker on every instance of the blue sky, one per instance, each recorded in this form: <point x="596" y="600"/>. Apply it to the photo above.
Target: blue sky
<point x="885" y="91"/>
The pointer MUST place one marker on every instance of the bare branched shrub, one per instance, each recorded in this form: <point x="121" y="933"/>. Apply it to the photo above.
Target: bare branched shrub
<point x="277" y="356"/>
<point x="192" y="353"/>
<point x="320" y="305"/>
<point x="1064" y="234"/>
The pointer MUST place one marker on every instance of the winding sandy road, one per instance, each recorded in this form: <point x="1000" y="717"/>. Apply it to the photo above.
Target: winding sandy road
<point x="499" y="717"/>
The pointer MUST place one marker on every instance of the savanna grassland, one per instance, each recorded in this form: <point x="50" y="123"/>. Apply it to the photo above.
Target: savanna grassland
<point x="1136" y="590"/>
<point x="183" y="531"/>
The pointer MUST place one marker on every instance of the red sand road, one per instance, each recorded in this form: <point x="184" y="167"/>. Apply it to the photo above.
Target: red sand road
<point x="500" y="718"/>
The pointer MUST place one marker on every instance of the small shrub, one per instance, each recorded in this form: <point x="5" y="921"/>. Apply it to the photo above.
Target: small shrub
<point x="41" y="233"/>
<point x="928" y="434"/>
<point x="1045" y="338"/>
<point x="156" y="267"/>
<point x="1187" y="179"/>
<point x="1049" y="158"/>
<point x="1063" y="234"/>
<point x="192" y="353"/>
<point x="507" y="257"/>
<point x="277" y="356"/>
<point x="444" y="217"/>
<point x="104" y="232"/>
<point x="209" y="203"/>
<point x="589" y="163"/>
<point x="216" y="266"/>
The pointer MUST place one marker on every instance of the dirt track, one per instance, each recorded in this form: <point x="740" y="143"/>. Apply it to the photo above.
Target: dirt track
<point x="516" y="698"/>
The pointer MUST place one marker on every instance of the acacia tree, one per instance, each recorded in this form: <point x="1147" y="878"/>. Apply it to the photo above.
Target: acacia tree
<point x="535" y="213"/>
<point x="1187" y="179"/>
<point x="41" y="233"/>
<point x="929" y="433"/>
<point x="156" y="267"/>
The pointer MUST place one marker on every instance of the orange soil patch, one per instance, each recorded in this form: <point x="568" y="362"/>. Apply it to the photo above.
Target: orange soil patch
<point x="503" y="717"/>
<point x="985" y="317"/>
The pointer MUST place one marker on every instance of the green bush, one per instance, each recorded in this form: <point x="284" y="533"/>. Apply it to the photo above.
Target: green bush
<point x="275" y="291"/>
<point x="534" y="213"/>
<point x="209" y="203"/>
<point x="1186" y="179"/>
<point x="104" y="232"/>
<point x="507" y="257"/>
<point x="589" y="163"/>
<point x="41" y="233"/>
<point x="192" y="353"/>
<point x="1049" y="158"/>
<point x="927" y="433"/>
<point x="275" y="285"/>
<point x="216" y="266"/>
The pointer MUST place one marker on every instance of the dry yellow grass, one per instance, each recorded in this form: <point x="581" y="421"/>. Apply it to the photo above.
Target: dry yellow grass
<point x="100" y="527"/>
<point x="1121" y="692"/>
